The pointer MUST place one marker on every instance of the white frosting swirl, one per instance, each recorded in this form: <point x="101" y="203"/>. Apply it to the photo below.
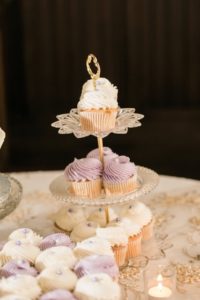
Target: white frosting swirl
<point x="24" y="285"/>
<point x="130" y="227"/>
<point x="83" y="231"/>
<point x="139" y="213"/>
<point x="97" y="286"/>
<point x="68" y="217"/>
<point x="93" y="245"/>
<point x="104" y="95"/>
<point x="114" y="235"/>
<point x="57" y="277"/>
<point x="20" y="250"/>
<point x="60" y="255"/>
<point x="98" y="216"/>
<point x="26" y="235"/>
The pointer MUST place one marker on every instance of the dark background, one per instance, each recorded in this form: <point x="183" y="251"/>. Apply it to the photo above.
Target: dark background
<point x="149" y="49"/>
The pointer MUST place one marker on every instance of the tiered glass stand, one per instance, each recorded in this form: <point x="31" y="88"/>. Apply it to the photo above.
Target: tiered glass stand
<point x="126" y="118"/>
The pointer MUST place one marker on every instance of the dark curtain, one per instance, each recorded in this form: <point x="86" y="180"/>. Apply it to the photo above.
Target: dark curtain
<point x="149" y="49"/>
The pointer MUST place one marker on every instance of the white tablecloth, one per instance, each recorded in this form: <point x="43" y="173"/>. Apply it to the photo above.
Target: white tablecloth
<point x="175" y="204"/>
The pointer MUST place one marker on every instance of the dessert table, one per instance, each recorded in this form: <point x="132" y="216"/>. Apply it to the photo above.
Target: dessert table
<point x="175" y="205"/>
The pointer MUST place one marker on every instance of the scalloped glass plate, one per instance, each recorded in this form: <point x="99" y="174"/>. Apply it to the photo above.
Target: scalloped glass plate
<point x="5" y="187"/>
<point x="148" y="180"/>
<point x="13" y="198"/>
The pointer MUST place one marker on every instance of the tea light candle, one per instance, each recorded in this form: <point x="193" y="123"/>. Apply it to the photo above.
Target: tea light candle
<point x="160" y="291"/>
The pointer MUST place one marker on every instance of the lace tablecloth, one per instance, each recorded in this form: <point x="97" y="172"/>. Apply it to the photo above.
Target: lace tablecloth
<point x="175" y="204"/>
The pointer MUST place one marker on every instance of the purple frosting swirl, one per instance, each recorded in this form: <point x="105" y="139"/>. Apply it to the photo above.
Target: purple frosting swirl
<point x="84" y="169"/>
<point x="119" y="169"/>
<point x="97" y="264"/>
<point x="54" y="240"/>
<point x="107" y="153"/>
<point x="17" y="266"/>
<point x="58" y="294"/>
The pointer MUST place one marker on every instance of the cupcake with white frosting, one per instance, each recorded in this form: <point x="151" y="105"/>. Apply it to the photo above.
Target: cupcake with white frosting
<point x="120" y="176"/>
<point x="98" y="105"/>
<point x="93" y="245"/>
<point x="15" y="297"/>
<point x="25" y="235"/>
<point x="24" y="285"/>
<point x="19" y="250"/>
<point x="84" y="177"/>
<point x="68" y="217"/>
<point x="98" y="216"/>
<point x="142" y="215"/>
<point x="60" y="255"/>
<point x="57" y="277"/>
<point x="58" y="294"/>
<point x="98" y="286"/>
<point x="118" y="239"/>
<point x="83" y="231"/>
<point x="134" y="233"/>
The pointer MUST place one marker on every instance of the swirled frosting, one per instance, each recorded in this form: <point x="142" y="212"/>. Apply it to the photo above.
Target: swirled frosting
<point x="2" y="136"/>
<point x="119" y="169"/>
<point x="85" y="169"/>
<point x="139" y="213"/>
<point x="83" y="231"/>
<point x="97" y="264"/>
<point x="129" y="226"/>
<point x="103" y="95"/>
<point x="24" y="285"/>
<point x="68" y="217"/>
<point x="107" y="153"/>
<point x="17" y="266"/>
<point x="58" y="294"/>
<point x="25" y="235"/>
<point x="55" y="240"/>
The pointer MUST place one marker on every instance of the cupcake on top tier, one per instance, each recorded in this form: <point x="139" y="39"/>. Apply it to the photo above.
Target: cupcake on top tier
<point x="120" y="176"/>
<point x="98" y="105"/>
<point x="107" y="154"/>
<point x="84" y="176"/>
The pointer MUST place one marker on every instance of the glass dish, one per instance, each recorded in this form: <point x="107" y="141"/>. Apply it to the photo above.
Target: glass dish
<point x="148" y="180"/>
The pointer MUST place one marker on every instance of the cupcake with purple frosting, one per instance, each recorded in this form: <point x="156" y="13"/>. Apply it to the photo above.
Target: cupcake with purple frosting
<point x="97" y="264"/>
<point x="55" y="240"/>
<point x="84" y="176"/>
<point x="17" y="266"/>
<point x="58" y="294"/>
<point x="120" y="176"/>
<point x="108" y="154"/>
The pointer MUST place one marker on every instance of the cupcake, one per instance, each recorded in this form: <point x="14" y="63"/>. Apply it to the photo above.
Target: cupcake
<point x="120" y="176"/>
<point x="19" y="250"/>
<point x="142" y="215"/>
<point x="17" y="266"/>
<point x="107" y="154"/>
<point x="57" y="277"/>
<point x="84" y="176"/>
<point x="60" y="255"/>
<point x="93" y="245"/>
<point x="25" y="235"/>
<point x="98" y="216"/>
<point x="118" y="240"/>
<point x="97" y="264"/>
<point x="83" y="231"/>
<point x="98" y="105"/>
<point x="23" y="285"/>
<point x="55" y="240"/>
<point x="98" y="286"/>
<point x="68" y="217"/>
<point x="58" y="294"/>
<point x="134" y="233"/>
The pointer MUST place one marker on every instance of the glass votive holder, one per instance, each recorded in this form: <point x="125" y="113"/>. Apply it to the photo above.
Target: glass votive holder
<point x="160" y="282"/>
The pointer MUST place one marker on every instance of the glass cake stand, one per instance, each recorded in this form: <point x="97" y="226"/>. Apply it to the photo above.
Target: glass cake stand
<point x="147" y="180"/>
<point x="10" y="194"/>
